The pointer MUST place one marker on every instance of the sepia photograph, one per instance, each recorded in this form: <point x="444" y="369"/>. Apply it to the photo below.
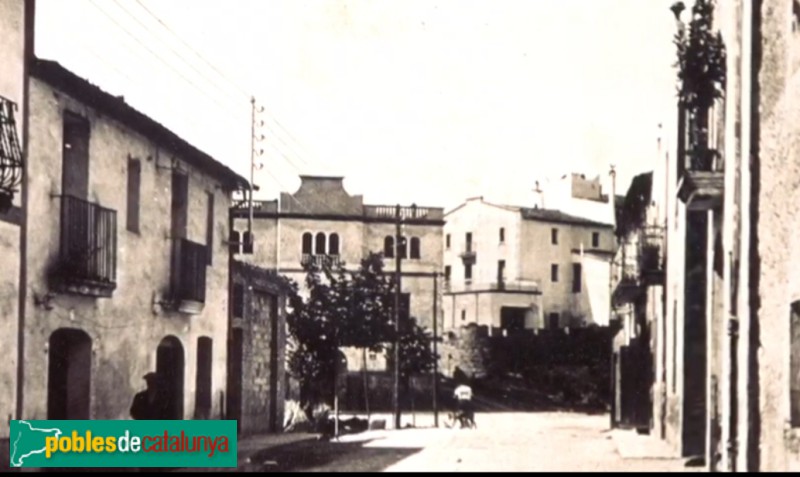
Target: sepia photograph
<point x="399" y="236"/>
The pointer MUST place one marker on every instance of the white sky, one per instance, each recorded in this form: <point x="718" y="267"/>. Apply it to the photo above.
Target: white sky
<point x="412" y="101"/>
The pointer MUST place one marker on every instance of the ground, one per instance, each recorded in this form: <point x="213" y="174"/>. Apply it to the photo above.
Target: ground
<point x="502" y="442"/>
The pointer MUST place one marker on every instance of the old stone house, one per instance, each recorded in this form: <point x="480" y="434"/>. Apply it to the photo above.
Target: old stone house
<point x="126" y="259"/>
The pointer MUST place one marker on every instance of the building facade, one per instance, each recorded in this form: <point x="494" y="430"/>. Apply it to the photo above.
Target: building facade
<point x="126" y="260"/>
<point x="16" y="36"/>
<point x="321" y="220"/>
<point x="512" y="268"/>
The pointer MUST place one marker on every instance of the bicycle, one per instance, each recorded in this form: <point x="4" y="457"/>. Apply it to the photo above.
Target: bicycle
<point x="464" y="419"/>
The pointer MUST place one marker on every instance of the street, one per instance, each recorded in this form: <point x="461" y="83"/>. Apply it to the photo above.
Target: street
<point x="502" y="442"/>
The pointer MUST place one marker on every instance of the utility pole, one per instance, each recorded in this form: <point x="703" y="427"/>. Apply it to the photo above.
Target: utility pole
<point x="397" y="278"/>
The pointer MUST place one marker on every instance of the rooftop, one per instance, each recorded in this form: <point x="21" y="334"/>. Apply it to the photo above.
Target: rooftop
<point x="115" y="107"/>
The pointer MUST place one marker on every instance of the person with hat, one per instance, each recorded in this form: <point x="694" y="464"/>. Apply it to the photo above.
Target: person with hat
<point x="149" y="404"/>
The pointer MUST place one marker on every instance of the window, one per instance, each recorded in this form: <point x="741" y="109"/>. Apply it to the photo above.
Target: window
<point x="75" y="156"/>
<point x="502" y="235"/>
<point x="180" y="204"/>
<point x="402" y="248"/>
<point x="554" y="236"/>
<point x="554" y="273"/>
<point x="595" y="239"/>
<point x="308" y="241"/>
<point x="576" y="277"/>
<point x="388" y="247"/>
<point x="468" y="239"/>
<point x="415" y="248"/>
<point x="794" y="364"/>
<point x="552" y="321"/>
<point x="468" y="272"/>
<point x="447" y="241"/>
<point x="238" y="300"/>
<point x="247" y="246"/>
<point x="501" y="272"/>
<point x="134" y="183"/>
<point x="463" y="315"/>
<point x="447" y="272"/>
<point x="234" y="245"/>
<point x="319" y="244"/>
<point x="202" y="403"/>
<point x="333" y="244"/>
<point x="210" y="226"/>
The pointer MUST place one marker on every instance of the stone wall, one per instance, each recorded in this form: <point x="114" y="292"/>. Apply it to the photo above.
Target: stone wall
<point x="466" y="349"/>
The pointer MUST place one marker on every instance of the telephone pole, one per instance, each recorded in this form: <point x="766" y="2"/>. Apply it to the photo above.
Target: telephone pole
<point x="397" y="279"/>
<point x="435" y="349"/>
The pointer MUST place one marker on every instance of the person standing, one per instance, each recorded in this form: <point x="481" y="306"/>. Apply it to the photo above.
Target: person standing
<point x="149" y="404"/>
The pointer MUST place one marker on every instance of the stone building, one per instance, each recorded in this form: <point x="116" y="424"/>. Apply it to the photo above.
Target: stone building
<point x="16" y="36"/>
<point x="321" y="219"/>
<point x="512" y="268"/>
<point x="126" y="258"/>
<point x="256" y="350"/>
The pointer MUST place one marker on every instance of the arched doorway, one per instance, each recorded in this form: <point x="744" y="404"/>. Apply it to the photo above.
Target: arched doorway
<point x="170" y="368"/>
<point x="69" y="375"/>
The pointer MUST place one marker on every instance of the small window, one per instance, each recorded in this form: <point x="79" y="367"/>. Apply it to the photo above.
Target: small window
<point x="388" y="247"/>
<point x="238" y="300"/>
<point x="403" y="248"/>
<point x="308" y="241"/>
<point x="415" y="248"/>
<point x="501" y="271"/>
<point x="468" y="239"/>
<point x="319" y="244"/>
<point x="234" y="242"/>
<point x="502" y="235"/>
<point x="447" y="272"/>
<point x="554" y="273"/>
<point x="463" y="315"/>
<point x="576" y="277"/>
<point x="247" y="246"/>
<point x="554" y="236"/>
<point x="134" y="184"/>
<point x="447" y="241"/>
<point x="595" y="239"/>
<point x="467" y="272"/>
<point x="333" y="244"/>
<point x="210" y="226"/>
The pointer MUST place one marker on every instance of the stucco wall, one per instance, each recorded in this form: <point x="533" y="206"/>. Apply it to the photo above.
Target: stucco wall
<point x="484" y="309"/>
<point x="777" y="240"/>
<point x="538" y="254"/>
<point x="126" y="329"/>
<point x="12" y="37"/>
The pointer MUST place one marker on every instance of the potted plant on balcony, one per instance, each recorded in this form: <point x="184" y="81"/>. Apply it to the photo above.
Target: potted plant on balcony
<point x="701" y="76"/>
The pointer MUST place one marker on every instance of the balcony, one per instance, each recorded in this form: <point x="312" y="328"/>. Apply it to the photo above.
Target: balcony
<point x="318" y="260"/>
<point x="188" y="276"/>
<point x="702" y="182"/>
<point x="651" y="255"/>
<point x="468" y="254"/>
<point x="11" y="161"/>
<point x="87" y="259"/>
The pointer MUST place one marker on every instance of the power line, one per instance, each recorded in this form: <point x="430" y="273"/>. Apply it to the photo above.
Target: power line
<point x="245" y="93"/>
<point x="198" y="88"/>
<point x="175" y="51"/>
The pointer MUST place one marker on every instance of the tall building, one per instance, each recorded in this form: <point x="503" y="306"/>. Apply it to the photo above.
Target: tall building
<point x="512" y="268"/>
<point x="322" y="221"/>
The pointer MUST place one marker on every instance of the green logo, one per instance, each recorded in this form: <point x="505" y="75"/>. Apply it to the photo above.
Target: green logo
<point x="123" y="444"/>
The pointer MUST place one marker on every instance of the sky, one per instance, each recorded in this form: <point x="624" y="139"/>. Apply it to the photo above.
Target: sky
<point x="427" y="102"/>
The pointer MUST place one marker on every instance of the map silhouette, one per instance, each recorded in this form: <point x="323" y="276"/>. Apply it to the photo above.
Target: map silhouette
<point x="29" y="441"/>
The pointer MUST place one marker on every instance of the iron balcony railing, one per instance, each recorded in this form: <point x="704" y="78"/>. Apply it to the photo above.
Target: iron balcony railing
<point x="11" y="159"/>
<point x="320" y="259"/>
<point x="88" y="247"/>
<point x="188" y="271"/>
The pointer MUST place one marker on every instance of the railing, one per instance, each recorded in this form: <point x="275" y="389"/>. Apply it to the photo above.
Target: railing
<point x="88" y="248"/>
<point x="188" y="271"/>
<point x="500" y="286"/>
<point x="10" y="150"/>
<point x="390" y="211"/>
<point x="469" y="251"/>
<point x="320" y="260"/>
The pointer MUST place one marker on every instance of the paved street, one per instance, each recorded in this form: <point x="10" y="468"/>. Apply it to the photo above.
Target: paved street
<point x="510" y="442"/>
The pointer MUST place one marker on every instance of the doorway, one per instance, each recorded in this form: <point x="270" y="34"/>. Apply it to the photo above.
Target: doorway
<point x="170" y="368"/>
<point x="69" y="375"/>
